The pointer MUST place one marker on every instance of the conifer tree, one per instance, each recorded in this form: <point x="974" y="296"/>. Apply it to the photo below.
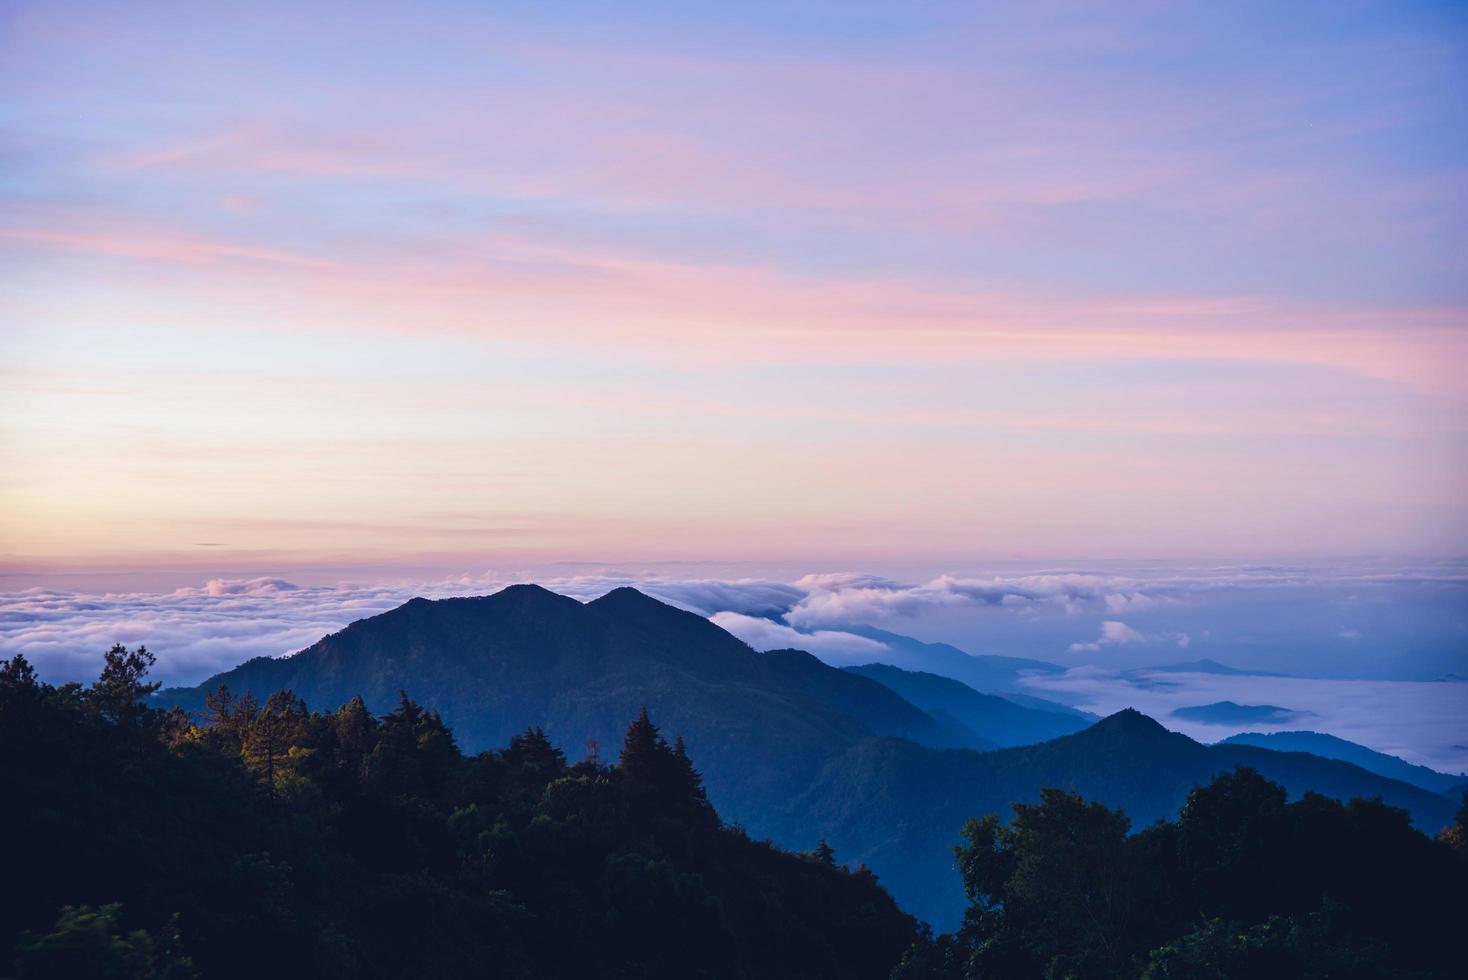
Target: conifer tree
<point x="20" y="694"/>
<point x="355" y="730"/>
<point x="688" y="786"/>
<point x="117" y="694"/>
<point x="217" y="706"/>
<point x="643" y="761"/>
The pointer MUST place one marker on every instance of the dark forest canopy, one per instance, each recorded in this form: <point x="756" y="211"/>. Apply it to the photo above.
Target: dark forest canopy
<point x="271" y="840"/>
<point x="266" y="839"/>
<point x="1242" y="884"/>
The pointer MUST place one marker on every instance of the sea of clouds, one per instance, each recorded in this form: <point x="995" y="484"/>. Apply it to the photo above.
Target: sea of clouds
<point x="1373" y="640"/>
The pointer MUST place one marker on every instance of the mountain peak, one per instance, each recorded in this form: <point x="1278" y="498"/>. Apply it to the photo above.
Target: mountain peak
<point x="1130" y="722"/>
<point x="531" y="596"/>
<point x="626" y="595"/>
<point x="527" y="589"/>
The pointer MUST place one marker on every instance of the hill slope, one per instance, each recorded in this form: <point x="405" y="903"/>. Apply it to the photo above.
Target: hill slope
<point x="289" y="843"/>
<point x="1330" y="747"/>
<point x="993" y="718"/>
<point x="890" y="803"/>
<point x="791" y="748"/>
<point x="986" y="673"/>
<point x="760" y="724"/>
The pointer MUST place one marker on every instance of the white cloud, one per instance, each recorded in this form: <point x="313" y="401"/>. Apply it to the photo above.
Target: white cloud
<point x="831" y="646"/>
<point x="1113" y="633"/>
<point x="201" y="630"/>
<point x="1121" y="602"/>
<point x="846" y="598"/>
<point x="253" y="586"/>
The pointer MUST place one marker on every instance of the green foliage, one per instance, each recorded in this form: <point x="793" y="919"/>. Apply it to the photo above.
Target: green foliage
<point x="661" y="779"/>
<point x="120" y="688"/>
<point x="1308" y="948"/>
<point x="1455" y="835"/>
<point x="87" y="942"/>
<point x="1242" y="884"/>
<point x="273" y="840"/>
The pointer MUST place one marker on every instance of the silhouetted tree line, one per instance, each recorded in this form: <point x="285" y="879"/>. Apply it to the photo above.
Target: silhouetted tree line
<point x="272" y="840"/>
<point x="1242" y="885"/>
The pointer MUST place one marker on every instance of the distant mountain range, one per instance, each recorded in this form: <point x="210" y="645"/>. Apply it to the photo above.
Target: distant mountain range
<point x="1206" y="666"/>
<point x="1330" y="747"/>
<point x="791" y="748"/>
<point x="1232" y="713"/>
<point x="987" y="673"/>
<point x="994" y="721"/>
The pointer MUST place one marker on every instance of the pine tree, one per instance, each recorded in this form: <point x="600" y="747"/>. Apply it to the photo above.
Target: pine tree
<point x="20" y="693"/>
<point x="119" y="691"/>
<point x="688" y="786"/>
<point x="356" y="731"/>
<point x="824" y="854"/>
<point x="643" y="760"/>
<point x="217" y="705"/>
<point x="271" y="734"/>
<point x="17" y="674"/>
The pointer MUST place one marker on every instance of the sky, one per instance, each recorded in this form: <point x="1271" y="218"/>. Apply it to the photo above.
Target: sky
<point x="327" y="291"/>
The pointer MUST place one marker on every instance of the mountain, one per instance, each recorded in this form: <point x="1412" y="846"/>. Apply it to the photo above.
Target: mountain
<point x="890" y="803"/>
<point x="1206" y="666"/>
<point x="988" y="674"/>
<point x="759" y="723"/>
<point x="995" y="720"/>
<point x="791" y="749"/>
<point x="1330" y="747"/>
<point x="1231" y="713"/>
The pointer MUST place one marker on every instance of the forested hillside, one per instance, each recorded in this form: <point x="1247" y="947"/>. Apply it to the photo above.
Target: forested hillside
<point x="1243" y="884"/>
<point x="1331" y="747"/>
<point x="273" y="840"/>
<point x="999" y="721"/>
<point x="266" y="839"/>
<point x="793" y="749"/>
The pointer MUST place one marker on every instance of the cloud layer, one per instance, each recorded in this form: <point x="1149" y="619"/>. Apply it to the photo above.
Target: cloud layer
<point x="1422" y="722"/>
<point x="832" y="646"/>
<point x="1278" y="618"/>
<point x="197" y="631"/>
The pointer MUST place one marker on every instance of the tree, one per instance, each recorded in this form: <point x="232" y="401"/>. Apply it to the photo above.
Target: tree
<point x="687" y="789"/>
<point x="117" y="694"/>
<point x="87" y="942"/>
<point x="217" y="704"/>
<point x="824" y="854"/>
<point x="642" y="762"/>
<point x="1230" y="833"/>
<point x="268" y="737"/>
<point x="17" y="675"/>
<point x="662" y="776"/>
<point x="20" y="694"/>
<point x="355" y="730"/>
<point x="1065" y="897"/>
<point x="1455" y="835"/>
<point x="506" y="864"/>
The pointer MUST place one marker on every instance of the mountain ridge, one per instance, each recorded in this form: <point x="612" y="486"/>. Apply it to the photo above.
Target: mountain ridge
<point x="791" y="748"/>
<point x="1332" y="747"/>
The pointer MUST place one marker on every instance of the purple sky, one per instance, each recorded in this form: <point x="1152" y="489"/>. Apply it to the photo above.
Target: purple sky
<point x="290" y="286"/>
